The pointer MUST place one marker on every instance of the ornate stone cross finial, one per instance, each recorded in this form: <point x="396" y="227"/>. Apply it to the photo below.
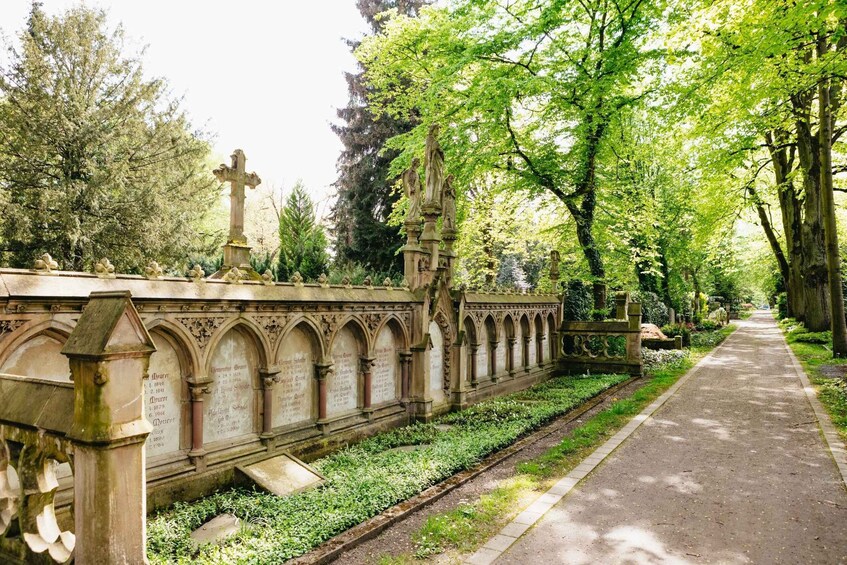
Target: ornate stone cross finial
<point x="238" y="178"/>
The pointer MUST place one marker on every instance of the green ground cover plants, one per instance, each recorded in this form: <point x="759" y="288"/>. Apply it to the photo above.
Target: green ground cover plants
<point x="465" y="528"/>
<point x="364" y="479"/>
<point x="813" y="350"/>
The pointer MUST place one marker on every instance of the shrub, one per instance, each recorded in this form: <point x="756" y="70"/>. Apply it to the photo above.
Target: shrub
<point x="681" y="329"/>
<point x="579" y="300"/>
<point x="823" y="338"/>
<point x="782" y="306"/>
<point x="653" y="311"/>
<point x="663" y="358"/>
<point x="707" y="326"/>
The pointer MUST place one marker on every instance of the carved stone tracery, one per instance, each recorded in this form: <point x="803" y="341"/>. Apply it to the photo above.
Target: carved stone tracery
<point x="202" y="329"/>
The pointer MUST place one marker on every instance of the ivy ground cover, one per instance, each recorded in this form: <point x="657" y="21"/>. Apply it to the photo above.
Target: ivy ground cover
<point x="364" y="479"/>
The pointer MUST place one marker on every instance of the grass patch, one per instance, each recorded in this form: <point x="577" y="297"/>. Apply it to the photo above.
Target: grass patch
<point x="365" y="479"/>
<point x="464" y="529"/>
<point x="815" y="357"/>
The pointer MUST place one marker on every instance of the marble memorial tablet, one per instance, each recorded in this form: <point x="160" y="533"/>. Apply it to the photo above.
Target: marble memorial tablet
<point x="436" y="363"/>
<point x="39" y="358"/>
<point x="294" y="399"/>
<point x="230" y="408"/>
<point x="163" y="399"/>
<point x="342" y="390"/>
<point x="386" y="368"/>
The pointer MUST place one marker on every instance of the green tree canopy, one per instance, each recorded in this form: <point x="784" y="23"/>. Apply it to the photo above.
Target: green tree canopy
<point x="95" y="159"/>
<point x="302" y="242"/>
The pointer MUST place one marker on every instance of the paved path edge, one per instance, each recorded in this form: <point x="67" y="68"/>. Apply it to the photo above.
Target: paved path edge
<point x="509" y="534"/>
<point x="827" y="429"/>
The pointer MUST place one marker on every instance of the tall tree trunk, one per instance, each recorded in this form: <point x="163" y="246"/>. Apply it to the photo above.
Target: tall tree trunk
<point x="815" y="272"/>
<point x="833" y="260"/>
<point x="773" y="240"/>
<point x="790" y="208"/>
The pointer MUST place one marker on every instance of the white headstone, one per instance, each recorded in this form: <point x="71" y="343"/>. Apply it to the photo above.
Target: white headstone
<point x="436" y="363"/>
<point x="40" y="358"/>
<point x="294" y="399"/>
<point x="163" y="399"/>
<point x="230" y="410"/>
<point x="342" y="387"/>
<point x="386" y="367"/>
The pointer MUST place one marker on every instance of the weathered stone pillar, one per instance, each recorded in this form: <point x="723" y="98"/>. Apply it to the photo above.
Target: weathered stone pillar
<point x="621" y="300"/>
<point x="525" y="352"/>
<point x="510" y="355"/>
<point x="322" y="373"/>
<point x="492" y="359"/>
<point x="472" y="364"/>
<point x="109" y="352"/>
<point x="405" y="374"/>
<point x="269" y="377"/>
<point x="198" y="389"/>
<point x="633" y="346"/>
<point x="366" y="366"/>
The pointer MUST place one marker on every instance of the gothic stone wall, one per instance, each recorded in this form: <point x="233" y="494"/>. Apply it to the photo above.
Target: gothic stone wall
<point x="244" y="371"/>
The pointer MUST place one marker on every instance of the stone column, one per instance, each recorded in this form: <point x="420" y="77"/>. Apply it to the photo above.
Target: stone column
<point x="472" y="364"/>
<point x="322" y="373"/>
<point x="109" y="352"/>
<point x="492" y="359"/>
<point x="525" y="352"/>
<point x="366" y="366"/>
<point x="405" y="374"/>
<point x="198" y="389"/>
<point x="269" y="377"/>
<point x="510" y="355"/>
<point x="633" y="346"/>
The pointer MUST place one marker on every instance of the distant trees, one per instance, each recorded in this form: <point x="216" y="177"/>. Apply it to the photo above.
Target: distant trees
<point x="95" y="160"/>
<point x="302" y="241"/>
<point x="365" y="186"/>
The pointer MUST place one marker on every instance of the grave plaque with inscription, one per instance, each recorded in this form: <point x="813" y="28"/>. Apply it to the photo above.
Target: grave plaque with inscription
<point x="386" y="367"/>
<point x="502" y="346"/>
<point x="436" y="363"/>
<point x="294" y="394"/>
<point x="482" y="362"/>
<point x="230" y="409"/>
<point x="342" y="390"/>
<point x="163" y="399"/>
<point x="39" y="358"/>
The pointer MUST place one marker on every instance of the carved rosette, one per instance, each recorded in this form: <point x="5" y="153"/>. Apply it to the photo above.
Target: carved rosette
<point x="202" y="329"/>
<point x="9" y="326"/>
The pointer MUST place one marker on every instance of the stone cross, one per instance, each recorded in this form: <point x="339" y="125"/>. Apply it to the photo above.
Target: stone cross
<point x="238" y="178"/>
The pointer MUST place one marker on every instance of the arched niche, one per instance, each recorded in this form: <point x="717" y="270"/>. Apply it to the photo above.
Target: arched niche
<point x="385" y="375"/>
<point x="230" y="410"/>
<point x="483" y="356"/>
<point x="524" y="342"/>
<point x="551" y="330"/>
<point x="436" y="363"/>
<point x="294" y="395"/>
<point x="166" y="397"/>
<point x="342" y="387"/>
<point x="40" y="357"/>
<point x="540" y="339"/>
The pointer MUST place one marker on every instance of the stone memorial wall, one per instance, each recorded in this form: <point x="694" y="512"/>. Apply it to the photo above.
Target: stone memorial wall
<point x="343" y="383"/>
<point x="230" y="411"/>
<point x="294" y="395"/>
<point x="386" y="369"/>
<point x="163" y="399"/>
<point x="39" y="358"/>
<point x="436" y="363"/>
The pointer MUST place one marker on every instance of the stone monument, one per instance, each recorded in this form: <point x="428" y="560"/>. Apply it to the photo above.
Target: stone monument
<point x="236" y="250"/>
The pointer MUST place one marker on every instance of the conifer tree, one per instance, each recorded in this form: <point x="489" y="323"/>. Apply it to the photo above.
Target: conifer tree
<point x="95" y="160"/>
<point x="302" y="241"/>
<point x="365" y="197"/>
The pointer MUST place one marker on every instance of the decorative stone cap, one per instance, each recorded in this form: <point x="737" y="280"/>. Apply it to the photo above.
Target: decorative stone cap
<point x="109" y="326"/>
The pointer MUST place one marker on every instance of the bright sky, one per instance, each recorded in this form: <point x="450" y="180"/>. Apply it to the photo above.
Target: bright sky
<point x="262" y="76"/>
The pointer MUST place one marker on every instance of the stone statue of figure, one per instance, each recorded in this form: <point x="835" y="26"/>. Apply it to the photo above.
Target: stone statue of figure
<point x="448" y="205"/>
<point x="434" y="167"/>
<point x="412" y="185"/>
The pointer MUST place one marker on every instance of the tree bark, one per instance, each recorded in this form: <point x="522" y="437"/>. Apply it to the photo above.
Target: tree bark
<point x="833" y="260"/>
<point x="816" y="300"/>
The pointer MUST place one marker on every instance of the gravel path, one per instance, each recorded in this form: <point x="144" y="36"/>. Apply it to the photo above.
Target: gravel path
<point x="731" y="469"/>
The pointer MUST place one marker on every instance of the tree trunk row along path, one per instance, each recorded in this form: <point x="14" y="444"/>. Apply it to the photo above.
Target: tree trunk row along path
<point x="736" y="463"/>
